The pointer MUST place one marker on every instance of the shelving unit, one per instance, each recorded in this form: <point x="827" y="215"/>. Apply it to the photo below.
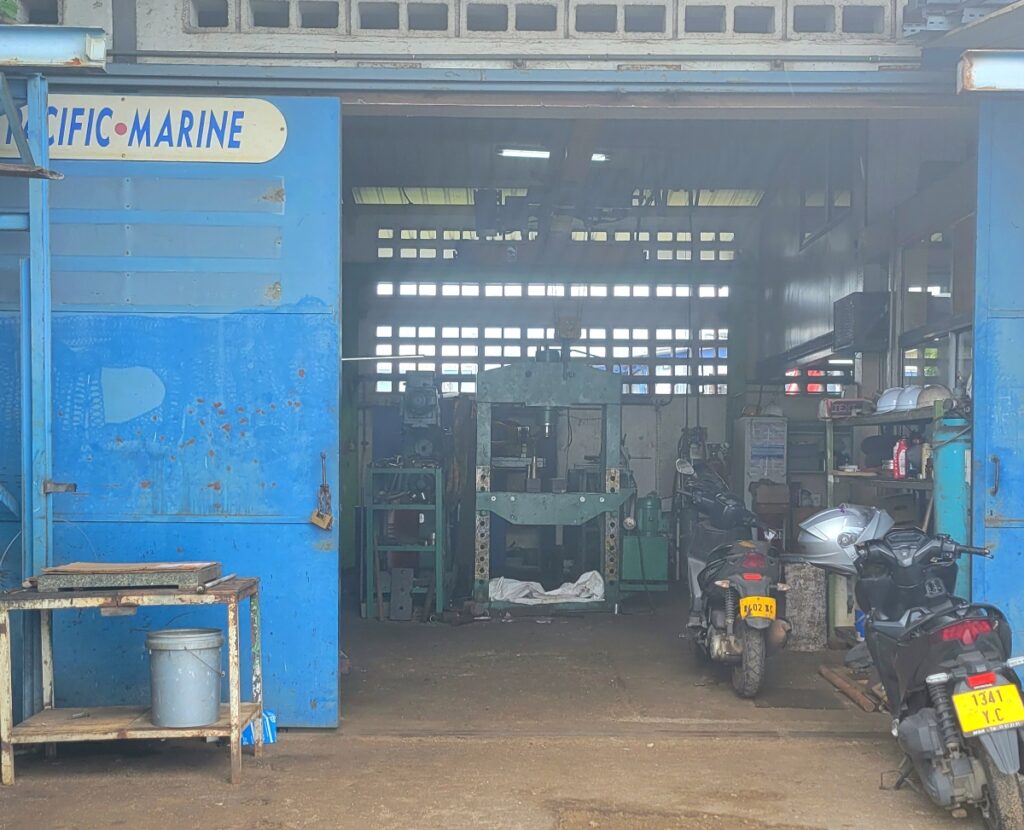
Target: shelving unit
<point x="839" y="588"/>
<point x="431" y="555"/>
<point x="52" y="724"/>
<point x="924" y="415"/>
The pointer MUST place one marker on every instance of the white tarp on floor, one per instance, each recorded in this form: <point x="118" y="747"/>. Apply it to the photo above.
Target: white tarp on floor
<point x="588" y="588"/>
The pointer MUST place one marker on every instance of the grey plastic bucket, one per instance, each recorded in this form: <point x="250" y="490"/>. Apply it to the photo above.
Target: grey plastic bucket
<point x="184" y="674"/>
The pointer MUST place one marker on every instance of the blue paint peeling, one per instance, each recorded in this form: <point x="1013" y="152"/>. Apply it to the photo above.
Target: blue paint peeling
<point x="196" y="351"/>
<point x="129" y="393"/>
<point x="998" y="451"/>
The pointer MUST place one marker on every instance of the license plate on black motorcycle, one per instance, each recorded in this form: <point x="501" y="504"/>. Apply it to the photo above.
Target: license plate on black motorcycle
<point x="989" y="710"/>
<point x="763" y="607"/>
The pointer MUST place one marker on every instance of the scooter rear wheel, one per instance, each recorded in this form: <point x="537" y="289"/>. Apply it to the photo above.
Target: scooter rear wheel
<point x="748" y="674"/>
<point x="1005" y="804"/>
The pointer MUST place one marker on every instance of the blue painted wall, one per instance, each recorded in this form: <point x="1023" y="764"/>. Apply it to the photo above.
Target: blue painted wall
<point x="998" y="518"/>
<point x="196" y="382"/>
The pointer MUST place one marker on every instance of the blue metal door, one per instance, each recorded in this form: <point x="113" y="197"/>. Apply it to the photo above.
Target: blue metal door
<point x="196" y="383"/>
<point x="998" y="463"/>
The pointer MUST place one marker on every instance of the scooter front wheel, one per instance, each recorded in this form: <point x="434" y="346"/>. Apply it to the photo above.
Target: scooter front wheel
<point x="1005" y="805"/>
<point x="748" y="674"/>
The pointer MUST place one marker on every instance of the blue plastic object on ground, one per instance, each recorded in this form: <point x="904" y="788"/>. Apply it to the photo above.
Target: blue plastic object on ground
<point x="269" y="730"/>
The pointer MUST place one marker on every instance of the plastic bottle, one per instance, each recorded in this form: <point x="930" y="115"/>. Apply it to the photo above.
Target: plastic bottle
<point x="899" y="460"/>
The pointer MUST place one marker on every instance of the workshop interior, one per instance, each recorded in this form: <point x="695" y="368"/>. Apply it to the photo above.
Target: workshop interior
<point x="319" y="369"/>
<point x="537" y="353"/>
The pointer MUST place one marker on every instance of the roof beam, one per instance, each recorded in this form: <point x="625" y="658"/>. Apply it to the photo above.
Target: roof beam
<point x="45" y="47"/>
<point x="991" y="71"/>
<point x="1003" y="28"/>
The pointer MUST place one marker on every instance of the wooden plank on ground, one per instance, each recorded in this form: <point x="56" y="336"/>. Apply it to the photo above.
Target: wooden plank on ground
<point x="848" y="687"/>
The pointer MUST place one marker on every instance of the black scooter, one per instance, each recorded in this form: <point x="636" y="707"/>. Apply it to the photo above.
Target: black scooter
<point x="736" y="597"/>
<point x="945" y="664"/>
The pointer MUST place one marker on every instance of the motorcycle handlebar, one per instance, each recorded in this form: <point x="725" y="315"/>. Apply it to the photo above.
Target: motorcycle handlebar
<point x="876" y="552"/>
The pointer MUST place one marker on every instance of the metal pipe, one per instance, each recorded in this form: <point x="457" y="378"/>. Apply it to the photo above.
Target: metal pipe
<point x="517" y="57"/>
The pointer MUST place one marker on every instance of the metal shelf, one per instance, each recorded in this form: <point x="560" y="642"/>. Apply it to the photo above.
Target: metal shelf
<point x="119" y="723"/>
<point x="374" y="546"/>
<point x="923" y="415"/>
<point x="888" y="483"/>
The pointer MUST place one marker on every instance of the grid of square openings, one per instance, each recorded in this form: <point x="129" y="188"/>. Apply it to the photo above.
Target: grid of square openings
<point x="534" y="18"/>
<point x="654" y="246"/>
<point x="921" y="362"/>
<point x="542" y="290"/>
<point x="651" y="361"/>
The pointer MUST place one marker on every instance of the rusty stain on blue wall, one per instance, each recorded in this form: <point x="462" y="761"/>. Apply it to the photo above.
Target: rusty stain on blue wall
<point x="196" y="354"/>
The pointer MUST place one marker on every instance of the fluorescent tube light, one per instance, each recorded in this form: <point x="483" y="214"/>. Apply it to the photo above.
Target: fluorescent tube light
<point x="520" y="153"/>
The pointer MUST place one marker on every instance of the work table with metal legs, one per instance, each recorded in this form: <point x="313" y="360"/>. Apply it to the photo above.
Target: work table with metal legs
<point x="52" y="725"/>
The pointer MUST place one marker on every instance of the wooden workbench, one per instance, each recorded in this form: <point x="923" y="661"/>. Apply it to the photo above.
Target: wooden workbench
<point x="109" y="723"/>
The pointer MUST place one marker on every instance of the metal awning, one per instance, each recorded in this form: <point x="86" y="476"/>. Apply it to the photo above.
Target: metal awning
<point x="1001" y="29"/>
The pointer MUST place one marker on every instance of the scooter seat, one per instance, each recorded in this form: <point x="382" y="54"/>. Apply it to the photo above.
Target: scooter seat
<point x="892" y="629"/>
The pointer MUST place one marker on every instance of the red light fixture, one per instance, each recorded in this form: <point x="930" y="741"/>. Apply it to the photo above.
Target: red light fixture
<point x="966" y="631"/>
<point x="754" y="560"/>
<point x="978" y="681"/>
<point x="752" y="577"/>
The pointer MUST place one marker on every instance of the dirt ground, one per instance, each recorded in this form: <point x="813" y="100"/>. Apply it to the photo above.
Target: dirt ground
<point x="593" y="722"/>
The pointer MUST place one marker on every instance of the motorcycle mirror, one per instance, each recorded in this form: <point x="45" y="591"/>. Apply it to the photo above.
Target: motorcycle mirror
<point x="684" y="467"/>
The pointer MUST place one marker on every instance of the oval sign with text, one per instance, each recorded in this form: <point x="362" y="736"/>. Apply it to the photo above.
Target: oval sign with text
<point x="159" y="128"/>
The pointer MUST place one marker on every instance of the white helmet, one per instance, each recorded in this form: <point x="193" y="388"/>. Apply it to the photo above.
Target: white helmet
<point x="827" y="538"/>
<point x="908" y="398"/>
<point x="887" y="401"/>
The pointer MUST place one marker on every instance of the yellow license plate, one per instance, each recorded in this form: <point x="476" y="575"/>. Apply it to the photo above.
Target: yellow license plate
<point x="757" y="607"/>
<point x="989" y="710"/>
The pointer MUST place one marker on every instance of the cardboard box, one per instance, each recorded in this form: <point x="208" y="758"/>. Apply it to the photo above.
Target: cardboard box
<point x="771" y="494"/>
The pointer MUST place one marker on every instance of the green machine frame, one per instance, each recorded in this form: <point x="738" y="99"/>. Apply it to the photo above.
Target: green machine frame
<point x="373" y="547"/>
<point x="556" y="385"/>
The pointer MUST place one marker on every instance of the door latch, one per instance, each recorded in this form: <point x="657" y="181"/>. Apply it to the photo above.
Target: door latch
<point x="322" y="516"/>
<point x="994" y="489"/>
<point x="51" y="487"/>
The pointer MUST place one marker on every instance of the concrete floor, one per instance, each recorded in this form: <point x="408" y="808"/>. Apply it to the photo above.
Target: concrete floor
<point x="591" y="722"/>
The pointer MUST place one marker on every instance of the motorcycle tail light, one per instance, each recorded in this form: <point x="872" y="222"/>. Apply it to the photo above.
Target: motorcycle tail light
<point x="754" y="560"/>
<point x="966" y="631"/>
<point x="752" y="577"/>
<point x="977" y="681"/>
